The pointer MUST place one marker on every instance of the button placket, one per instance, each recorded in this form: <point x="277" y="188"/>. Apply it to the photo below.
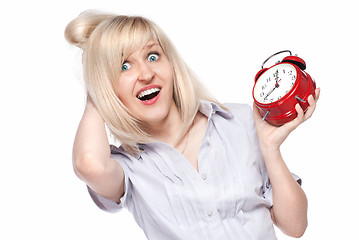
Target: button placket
<point x="209" y="212"/>
<point x="204" y="176"/>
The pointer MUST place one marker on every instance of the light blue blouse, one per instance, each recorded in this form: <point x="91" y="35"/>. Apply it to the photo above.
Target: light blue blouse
<point x="228" y="198"/>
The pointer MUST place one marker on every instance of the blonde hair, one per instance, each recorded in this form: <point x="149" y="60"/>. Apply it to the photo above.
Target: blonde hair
<point x="107" y="40"/>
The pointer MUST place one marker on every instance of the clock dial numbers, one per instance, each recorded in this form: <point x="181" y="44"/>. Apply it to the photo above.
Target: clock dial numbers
<point x="276" y="75"/>
<point x="275" y="83"/>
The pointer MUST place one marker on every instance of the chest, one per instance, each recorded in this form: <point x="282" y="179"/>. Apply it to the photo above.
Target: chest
<point x="192" y="141"/>
<point x="223" y="178"/>
<point x="222" y="196"/>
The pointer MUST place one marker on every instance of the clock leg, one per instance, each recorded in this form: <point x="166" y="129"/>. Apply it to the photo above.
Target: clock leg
<point x="265" y="115"/>
<point x="299" y="99"/>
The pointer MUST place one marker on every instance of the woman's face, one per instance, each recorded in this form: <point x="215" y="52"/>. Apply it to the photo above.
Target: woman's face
<point x="145" y="85"/>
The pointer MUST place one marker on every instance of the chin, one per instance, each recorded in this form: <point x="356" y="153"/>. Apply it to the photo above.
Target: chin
<point x="157" y="115"/>
<point x="154" y="117"/>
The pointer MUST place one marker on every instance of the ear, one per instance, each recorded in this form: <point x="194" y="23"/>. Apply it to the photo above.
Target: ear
<point x="295" y="60"/>
<point x="259" y="74"/>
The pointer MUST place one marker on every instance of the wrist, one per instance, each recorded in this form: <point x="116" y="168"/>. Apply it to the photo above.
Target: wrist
<point x="271" y="153"/>
<point x="269" y="148"/>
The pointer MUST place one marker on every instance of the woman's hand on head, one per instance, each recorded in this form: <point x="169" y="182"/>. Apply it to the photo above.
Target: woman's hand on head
<point x="271" y="137"/>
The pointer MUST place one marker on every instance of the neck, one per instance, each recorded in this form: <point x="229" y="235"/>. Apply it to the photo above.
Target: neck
<point x="167" y="129"/>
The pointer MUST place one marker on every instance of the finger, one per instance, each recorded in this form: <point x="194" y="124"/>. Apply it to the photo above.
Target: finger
<point x="312" y="104"/>
<point x="297" y="121"/>
<point x="311" y="108"/>
<point x="317" y="94"/>
<point x="258" y="119"/>
<point x="300" y="118"/>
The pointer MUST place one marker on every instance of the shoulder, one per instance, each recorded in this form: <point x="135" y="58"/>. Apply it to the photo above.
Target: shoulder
<point x="124" y="158"/>
<point x="235" y="113"/>
<point x="240" y="111"/>
<point x="243" y="117"/>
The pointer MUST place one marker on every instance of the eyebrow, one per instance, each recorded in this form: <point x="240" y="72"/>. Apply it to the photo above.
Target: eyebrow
<point x="147" y="46"/>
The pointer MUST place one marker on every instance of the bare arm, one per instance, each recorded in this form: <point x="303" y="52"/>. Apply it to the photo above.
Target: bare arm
<point x="289" y="211"/>
<point x="91" y="156"/>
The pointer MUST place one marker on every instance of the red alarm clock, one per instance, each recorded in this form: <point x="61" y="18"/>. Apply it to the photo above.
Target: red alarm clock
<point x="279" y="88"/>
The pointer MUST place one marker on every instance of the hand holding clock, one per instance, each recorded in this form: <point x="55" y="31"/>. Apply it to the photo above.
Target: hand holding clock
<point x="271" y="137"/>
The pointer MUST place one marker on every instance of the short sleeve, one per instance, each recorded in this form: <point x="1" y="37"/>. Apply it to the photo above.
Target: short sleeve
<point x="267" y="187"/>
<point x="107" y="204"/>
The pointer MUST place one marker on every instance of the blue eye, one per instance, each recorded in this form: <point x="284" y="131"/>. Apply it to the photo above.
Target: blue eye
<point x="153" y="57"/>
<point x="125" y="66"/>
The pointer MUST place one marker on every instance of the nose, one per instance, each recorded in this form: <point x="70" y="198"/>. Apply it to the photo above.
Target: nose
<point x="145" y="72"/>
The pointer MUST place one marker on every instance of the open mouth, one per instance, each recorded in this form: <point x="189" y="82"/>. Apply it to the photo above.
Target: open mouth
<point x="148" y="94"/>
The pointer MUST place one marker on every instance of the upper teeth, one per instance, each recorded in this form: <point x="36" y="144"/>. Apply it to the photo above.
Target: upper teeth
<point x="148" y="92"/>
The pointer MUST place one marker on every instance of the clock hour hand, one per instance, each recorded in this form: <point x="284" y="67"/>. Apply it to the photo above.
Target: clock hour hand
<point x="276" y="76"/>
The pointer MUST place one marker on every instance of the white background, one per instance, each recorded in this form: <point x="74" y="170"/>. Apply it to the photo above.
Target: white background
<point x="225" y="42"/>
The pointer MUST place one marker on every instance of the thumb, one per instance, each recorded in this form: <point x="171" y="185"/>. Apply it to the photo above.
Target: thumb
<point x="256" y="114"/>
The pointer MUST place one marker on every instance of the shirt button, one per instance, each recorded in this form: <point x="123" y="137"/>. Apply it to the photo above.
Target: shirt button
<point x="208" y="140"/>
<point x="204" y="176"/>
<point x="209" y="212"/>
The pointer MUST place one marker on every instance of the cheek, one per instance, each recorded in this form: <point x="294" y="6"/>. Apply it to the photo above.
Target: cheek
<point x="123" y="96"/>
<point x="170" y="79"/>
<point x="167" y="72"/>
<point x="124" y="89"/>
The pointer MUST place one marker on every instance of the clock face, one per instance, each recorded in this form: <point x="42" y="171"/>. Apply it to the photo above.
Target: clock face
<point x="275" y="83"/>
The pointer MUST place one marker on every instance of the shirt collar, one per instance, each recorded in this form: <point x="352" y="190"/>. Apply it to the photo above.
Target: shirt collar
<point x="205" y="107"/>
<point x="210" y="108"/>
<point x="120" y="150"/>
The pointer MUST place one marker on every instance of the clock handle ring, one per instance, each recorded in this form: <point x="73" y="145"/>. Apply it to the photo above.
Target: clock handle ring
<point x="275" y="55"/>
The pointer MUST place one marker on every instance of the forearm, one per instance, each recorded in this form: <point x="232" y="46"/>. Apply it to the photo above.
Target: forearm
<point x="92" y="156"/>
<point x="91" y="139"/>
<point x="289" y="211"/>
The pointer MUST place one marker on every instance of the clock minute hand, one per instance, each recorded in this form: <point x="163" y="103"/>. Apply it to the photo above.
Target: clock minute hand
<point x="271" y="91"/>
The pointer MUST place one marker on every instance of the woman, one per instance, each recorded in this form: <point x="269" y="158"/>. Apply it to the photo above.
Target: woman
<point x="188" y="167"/>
